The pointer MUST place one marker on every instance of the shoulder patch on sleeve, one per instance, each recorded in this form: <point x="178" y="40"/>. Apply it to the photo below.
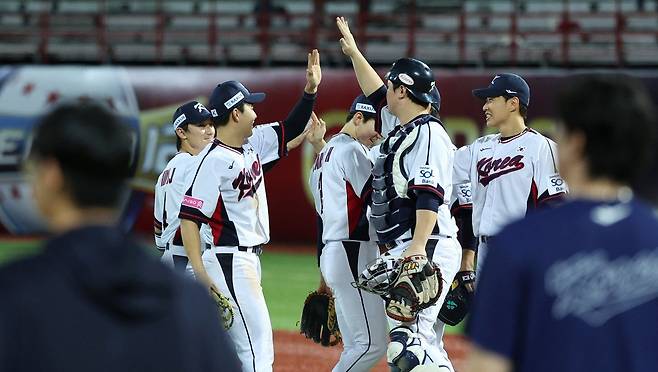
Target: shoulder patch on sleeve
<point x="464" y="194"/>
<point x="556" y="184"/>
<point x="427" y="175"/>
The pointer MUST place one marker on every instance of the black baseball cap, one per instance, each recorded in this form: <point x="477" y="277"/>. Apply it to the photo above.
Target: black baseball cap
<point x="506" y="85"/>
<point x="192" y="112"/>
<point x="363" y="105"/>
<point x="229" y="95"/>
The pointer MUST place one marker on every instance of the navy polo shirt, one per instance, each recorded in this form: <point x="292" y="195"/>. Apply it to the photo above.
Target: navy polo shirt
<point x="95" y="301"/>
<point x="574" y="288"/>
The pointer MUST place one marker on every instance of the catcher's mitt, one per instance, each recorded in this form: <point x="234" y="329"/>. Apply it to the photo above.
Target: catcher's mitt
<point x="319" y="319"/>
<point x="418" y="286"/>
<point x="225" y="308"/>
<point x="458" y="300"/>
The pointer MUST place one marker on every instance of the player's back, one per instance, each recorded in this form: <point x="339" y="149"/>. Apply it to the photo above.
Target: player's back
<point x="591" y="298"/>
<point x="169" y="191"/>
<point x="338" y="182"/>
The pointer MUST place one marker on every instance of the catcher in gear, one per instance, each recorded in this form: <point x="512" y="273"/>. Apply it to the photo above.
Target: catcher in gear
<point x="319" y="319"/>
<point x="459" y="298"/>
<point x="412" y="185"/>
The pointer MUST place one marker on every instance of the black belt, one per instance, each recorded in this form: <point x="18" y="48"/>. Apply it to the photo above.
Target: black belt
<point x="483" y="239"/>
<point x="392" y="244"/>
<point x="256" y="249"/>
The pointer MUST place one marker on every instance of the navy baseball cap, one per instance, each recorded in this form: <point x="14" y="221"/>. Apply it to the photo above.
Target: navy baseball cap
<point x="192" y="112"/>
<point x="229" y="95"/>
<point x="506" y="85"/>
<point x="361" y="104"/>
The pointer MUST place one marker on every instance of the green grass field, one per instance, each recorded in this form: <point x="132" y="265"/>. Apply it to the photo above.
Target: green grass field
<point x="287" y="279"/>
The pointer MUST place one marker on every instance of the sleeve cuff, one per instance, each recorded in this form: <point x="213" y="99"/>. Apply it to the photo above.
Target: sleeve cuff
<point x="428" y="201"/>
<point x="310" y="96"/>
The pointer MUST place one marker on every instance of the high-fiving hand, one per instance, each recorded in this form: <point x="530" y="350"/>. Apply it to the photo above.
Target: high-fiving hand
<point x="347" y="42"/>
<point x="317" y="130"/>
<point x="313" y="72"/>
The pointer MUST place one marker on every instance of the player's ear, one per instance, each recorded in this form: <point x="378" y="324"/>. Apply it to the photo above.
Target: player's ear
<point x="181" y="133"/>
<point x="402" y="92"/>
<point x="235" y="114"/>
<point x="513" y="104"/>
<point x="358" y="118"/>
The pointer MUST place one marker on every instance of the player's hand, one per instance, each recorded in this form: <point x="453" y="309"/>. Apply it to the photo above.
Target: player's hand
<point x="317" y="130"/>
<point x="323" y="287"/>
<point x="347" y="42"/>
<point x="207" y="282"/>
<point x="295" y="142"/>
<point x="313" y="72"/>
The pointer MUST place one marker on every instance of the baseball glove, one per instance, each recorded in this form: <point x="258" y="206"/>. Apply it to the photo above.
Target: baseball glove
<point x="418" y="286"/>
<point x="225" y="308"/>
<point x="459" y="298"/>
<point x="319" y="319"/>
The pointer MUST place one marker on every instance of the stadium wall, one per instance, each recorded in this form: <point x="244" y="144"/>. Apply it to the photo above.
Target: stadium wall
<point x="147" y="97"/>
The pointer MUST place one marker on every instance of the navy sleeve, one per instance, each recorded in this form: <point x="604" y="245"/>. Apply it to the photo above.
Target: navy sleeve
<point x="296" y="121"/>
<point x="428" y="200"/>
<point x="464" y="218"/>
<point x="500" y="299"/>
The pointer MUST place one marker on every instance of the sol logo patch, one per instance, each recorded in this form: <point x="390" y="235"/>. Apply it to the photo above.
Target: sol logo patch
<point x="189" y="201"/>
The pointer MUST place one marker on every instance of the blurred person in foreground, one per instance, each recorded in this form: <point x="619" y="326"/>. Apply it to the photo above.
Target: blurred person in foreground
<point x="93" y="300"/>
<point x="575" y="288"/>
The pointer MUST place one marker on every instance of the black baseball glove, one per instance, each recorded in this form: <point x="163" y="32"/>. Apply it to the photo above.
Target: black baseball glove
<point x="319" y="319"/>
<point x="459" y="298"/>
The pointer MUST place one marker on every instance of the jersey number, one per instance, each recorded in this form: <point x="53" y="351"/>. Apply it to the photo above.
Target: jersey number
<point x="320" y="189"/>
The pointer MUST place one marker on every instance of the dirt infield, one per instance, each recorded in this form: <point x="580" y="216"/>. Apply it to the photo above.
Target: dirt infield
<point x="295" y="353"/>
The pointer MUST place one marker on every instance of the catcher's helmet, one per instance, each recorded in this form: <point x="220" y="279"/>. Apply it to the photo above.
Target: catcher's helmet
<point x="416" y="76"/>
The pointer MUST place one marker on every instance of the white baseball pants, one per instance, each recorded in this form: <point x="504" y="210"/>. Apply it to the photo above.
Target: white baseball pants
<point x="361" y="315"/>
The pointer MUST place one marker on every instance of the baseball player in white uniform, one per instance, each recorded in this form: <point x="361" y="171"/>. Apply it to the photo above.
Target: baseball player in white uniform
<point x="194" y="130"/>
<point x="225" y="207"/>
<point x="412" y="184"/>
<point x="501" y="176"/>
<point x="340" y="183"/>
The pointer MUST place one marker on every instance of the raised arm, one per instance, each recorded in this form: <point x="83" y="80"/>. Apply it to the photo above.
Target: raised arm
<point x="296" y="121"/>
<point x="368" y="79"/>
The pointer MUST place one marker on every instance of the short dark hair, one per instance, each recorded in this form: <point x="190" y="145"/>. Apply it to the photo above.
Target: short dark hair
<point x="366" y="116"/>
<point x="616" y="117"/>
<point x="93" y="149"/>
<point x="523" y="109"/>
<point x="178" y="141"/>
<point x="220" y="122"/>
<point x="411" y="96"/>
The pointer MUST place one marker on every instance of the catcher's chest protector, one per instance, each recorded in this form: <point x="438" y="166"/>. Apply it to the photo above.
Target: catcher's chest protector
<point x="393" y="212"/>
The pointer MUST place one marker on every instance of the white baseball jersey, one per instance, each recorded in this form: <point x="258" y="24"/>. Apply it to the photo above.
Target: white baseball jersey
<point x="339" y="183"/>
<point x="169" y="191"/>
<point x="424" y="161"/>
<point x="503" y="177"/>
<point x="226" y="190"/>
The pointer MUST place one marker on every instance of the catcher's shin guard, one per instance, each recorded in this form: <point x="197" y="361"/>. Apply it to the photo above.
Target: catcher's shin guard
<point x="405" y="351"/>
